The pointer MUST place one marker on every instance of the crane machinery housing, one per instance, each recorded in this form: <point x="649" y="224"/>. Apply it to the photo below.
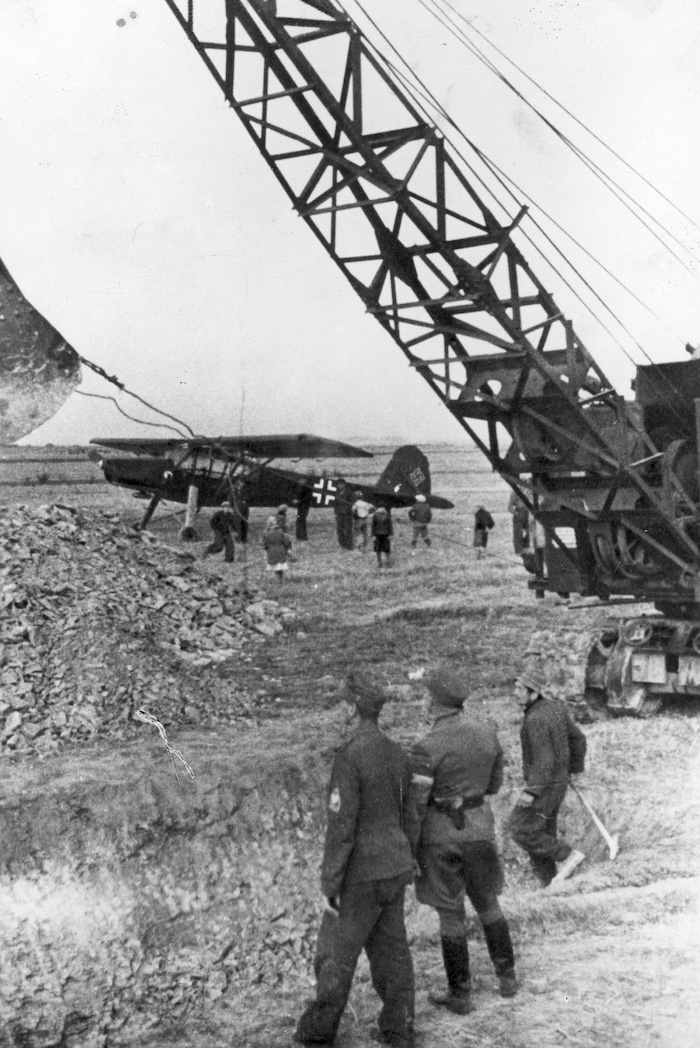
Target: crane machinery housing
<point x="613" y="483"/>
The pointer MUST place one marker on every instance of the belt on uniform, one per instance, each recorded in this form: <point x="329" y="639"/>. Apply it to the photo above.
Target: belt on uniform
<point x="455" y="803"/>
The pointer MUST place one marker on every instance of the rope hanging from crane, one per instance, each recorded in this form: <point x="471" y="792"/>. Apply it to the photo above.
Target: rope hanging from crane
<point x="113" y="380"/>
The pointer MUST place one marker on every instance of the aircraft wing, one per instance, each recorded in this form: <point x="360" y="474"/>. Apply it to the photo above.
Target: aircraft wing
<point x="293" y="445"/>
<point x="141" y="445"/>
<point x="271" y="446"/>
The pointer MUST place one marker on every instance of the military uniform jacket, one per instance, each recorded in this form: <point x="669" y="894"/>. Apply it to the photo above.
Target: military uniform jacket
<point x="459" y="758"/>
<point x="368" y="813"/>
<point x="553" y="747"/>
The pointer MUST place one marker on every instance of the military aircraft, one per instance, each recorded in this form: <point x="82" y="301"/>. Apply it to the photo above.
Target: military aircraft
<point x="204" y="471"/>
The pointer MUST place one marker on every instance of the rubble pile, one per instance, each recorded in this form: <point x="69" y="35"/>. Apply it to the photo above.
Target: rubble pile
<point x="97" y="621"/>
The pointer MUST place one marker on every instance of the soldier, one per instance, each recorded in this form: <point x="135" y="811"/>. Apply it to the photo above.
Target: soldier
<point x="342" y="507"/>
<point x="367" y="863"/>
<point x="304" y="502"/>
<point x="553" y="748"/>
<point x="222" y="524"/>
<point x="241" y="511"/>
<point x="455" y="766"/>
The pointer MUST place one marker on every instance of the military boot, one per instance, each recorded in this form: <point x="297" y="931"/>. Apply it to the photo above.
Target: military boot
<point x="455" y="956"/>
<point x="500" y="947"/>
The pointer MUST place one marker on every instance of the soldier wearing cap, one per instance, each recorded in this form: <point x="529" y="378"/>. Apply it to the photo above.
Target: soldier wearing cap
<point x="342" y="507"/>
<point x="367" y="863"/>
<point x="455" y="767"/>
<point x="553" y="749"/>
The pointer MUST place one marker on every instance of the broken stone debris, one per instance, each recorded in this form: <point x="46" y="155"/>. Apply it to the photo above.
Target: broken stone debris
<point x="97" y="620"/>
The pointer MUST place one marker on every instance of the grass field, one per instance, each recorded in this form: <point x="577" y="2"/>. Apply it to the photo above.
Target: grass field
<point x="612" y="958"/>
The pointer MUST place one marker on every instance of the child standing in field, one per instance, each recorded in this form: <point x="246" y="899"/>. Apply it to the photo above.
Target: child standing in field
<point x="277" y="544"/>
<point x="483" y="522"/>
<point x="420" y="516"/>
<point x="382" y="530"/>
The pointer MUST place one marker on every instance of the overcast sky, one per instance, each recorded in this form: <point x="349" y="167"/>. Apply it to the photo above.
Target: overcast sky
<point x="138" y="217"/>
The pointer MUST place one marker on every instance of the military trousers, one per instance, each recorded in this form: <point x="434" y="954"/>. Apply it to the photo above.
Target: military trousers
<point x="343" y="527"/>
<point x="371" y="917"/>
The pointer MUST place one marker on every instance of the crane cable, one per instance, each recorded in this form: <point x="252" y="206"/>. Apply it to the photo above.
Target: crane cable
<point x="426" y="94"/>
<point x="592" y="133"/>
<point x="122" y="388"/>
<point x="618" y="191"/>
<point x="672" y="392"/>
<point x="132" y="418"/>
<point x="492" y="167"/>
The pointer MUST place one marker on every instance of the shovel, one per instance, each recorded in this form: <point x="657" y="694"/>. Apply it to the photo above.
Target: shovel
<point x="612" y="840"/>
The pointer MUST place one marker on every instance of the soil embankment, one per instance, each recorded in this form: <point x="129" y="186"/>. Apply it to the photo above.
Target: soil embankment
<point x="129" y="898"/>
<point x="123" y="878"/>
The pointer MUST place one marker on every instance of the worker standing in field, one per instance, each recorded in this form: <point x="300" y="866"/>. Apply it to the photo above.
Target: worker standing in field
<point x="483" y="523"/>
<point x="456" y="766"/>
<point x="361" y="513"/>
<point x="367" y="863"/>
<point x="521" y="524"/>
<point x="304" y="502"/>
<point x="420" y="515"/>
<point x="241" y="511"/>
<point x="382" y="530"/>
<point x="222" y="523"/>
<point x="553" y="749"/>
<point x="342" y="507"/>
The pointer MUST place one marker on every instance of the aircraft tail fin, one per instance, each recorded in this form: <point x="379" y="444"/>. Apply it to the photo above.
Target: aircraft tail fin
<point x="407" y="473"/>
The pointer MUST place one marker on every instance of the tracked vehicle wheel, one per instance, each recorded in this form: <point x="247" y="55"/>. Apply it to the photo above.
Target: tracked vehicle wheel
<point x="620" y="667"/>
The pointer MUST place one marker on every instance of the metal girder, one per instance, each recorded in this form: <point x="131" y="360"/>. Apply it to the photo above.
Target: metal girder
<point x="399" y="215"/>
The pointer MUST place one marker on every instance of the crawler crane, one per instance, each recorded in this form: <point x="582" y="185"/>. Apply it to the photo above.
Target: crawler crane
<point x="613" y="483"/>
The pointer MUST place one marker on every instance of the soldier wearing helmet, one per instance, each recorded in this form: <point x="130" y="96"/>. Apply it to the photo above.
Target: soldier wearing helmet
<point x="553" y="749"/>
<point x="367" y="863"/>
<point x="456" y="766"/>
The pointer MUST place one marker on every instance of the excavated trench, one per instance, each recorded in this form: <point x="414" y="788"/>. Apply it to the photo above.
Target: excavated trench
<point x="129" y="899"/>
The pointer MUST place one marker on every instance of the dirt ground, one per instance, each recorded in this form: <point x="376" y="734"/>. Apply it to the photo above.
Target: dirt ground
<point x="621" y="988"/>
<point x="613" y="959"/>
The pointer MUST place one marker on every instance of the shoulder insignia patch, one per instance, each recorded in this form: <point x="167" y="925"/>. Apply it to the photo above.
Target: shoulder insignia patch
<point x="334" y="802"/>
